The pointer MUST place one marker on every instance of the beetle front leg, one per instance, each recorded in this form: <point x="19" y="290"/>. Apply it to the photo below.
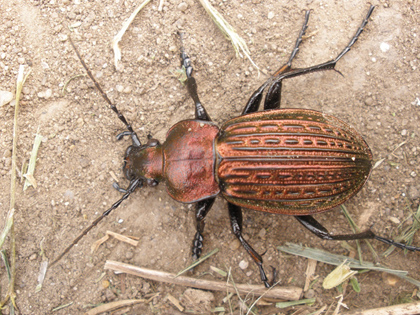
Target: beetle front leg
<point x="200" y="111"/>
<point x="201" y="210"/>
<point x="315" y="227"/>
<point x="235" y="214"/>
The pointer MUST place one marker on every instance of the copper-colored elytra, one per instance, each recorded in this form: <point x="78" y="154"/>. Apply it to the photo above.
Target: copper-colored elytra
<point x="291" y="161"/>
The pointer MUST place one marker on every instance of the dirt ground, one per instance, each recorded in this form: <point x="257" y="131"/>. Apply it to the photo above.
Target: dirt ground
<point x="377" y="94"/>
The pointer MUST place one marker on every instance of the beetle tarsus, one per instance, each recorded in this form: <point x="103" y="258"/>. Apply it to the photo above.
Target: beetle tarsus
<point x="119" y="188"/>
<point x="315" y="227"/>
<point x="397" y="244"/>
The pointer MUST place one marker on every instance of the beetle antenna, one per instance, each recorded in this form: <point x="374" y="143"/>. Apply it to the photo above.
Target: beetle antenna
<point x="134" y="137"/>
<point x="134" y="184"/>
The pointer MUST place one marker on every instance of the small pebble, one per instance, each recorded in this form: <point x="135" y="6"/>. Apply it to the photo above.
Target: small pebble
<point x="369" y="101"/>
<point x="33" y="256"/>
<point x="394" y="220"/>
<point x="404" y="132"/>
<point x="105" y="284"/>
<point x="235" y="244"/>
<point x="48" y="93"/>
<point x="119" y="88"/>
<point x="127" y="90"/>
<point x="309" y="294"/>
<point x="243" y="264"/>
<point x="390" y="279"/>
<point x="5" y="97"/>
<point x="384" y="47"/>
<point x="146" y="288"/>
<point x="413" y="192"/>
<point x="129" y="255"/>
<point x="182" y="6"/>
<point x="270" y="15"/>
<point x="262" y="233"/>
<point x="62" y="37"/>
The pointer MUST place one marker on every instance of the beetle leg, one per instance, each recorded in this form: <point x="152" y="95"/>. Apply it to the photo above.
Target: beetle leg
<point x="201" y="210"/>
<point x="315" y="227"/>
<point x="200" y="111"/>
<point x="235" y="214"/>
<point x="272" y="100"/>
<point x="329" y="65"/>
<point x="273" y="97"/>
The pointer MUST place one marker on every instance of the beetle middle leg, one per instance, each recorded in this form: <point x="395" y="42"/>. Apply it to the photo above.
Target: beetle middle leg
<point x="315" y="227"/>
<point x="235" y="214"/>
<point x="201" y="210"/>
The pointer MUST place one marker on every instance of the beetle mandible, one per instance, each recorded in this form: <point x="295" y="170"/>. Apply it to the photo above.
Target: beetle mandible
<point x="296" y="162"/>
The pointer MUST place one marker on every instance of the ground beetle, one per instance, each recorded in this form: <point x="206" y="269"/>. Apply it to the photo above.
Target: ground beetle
<point x="287" y="161"/>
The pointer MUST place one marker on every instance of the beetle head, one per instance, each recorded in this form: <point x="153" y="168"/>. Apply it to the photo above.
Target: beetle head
<point x="145" y="162"/>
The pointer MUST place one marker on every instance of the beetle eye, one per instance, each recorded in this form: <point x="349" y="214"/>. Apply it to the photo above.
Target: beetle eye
<point x="152" y="182"/>
<point x="152" y="143"/>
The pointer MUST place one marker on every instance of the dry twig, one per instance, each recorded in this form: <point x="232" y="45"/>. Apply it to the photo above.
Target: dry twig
<point x="286" y="293"/>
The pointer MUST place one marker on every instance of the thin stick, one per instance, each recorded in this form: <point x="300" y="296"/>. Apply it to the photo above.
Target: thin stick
<point x="285" y="293"/>
<point x="402" y="309"/>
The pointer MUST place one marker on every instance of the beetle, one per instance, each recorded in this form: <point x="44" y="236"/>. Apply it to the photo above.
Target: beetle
<point x="295" y="162"/>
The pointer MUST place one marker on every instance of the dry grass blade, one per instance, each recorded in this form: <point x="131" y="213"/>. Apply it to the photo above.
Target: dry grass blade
<point x="356" y="229"/>
<point x="64" y="89"/>
<point x="285" y="293"/>
<point x="61" y="307"/>
<point x="198" y="261"/>
<point x="408" y="233"/>
<point x="7" y="227"/>
<point x="126" y="239"/>
<point x="30" y="180"/>
<point x="10" y="221"/>
<point x="98" y="243"/>
<point x="118" y="37"/>
<point x="238" y="42"/>
<point x="336" y="260"/>
<point x="294" y="303"/>
<point x="175" y="302"/>
<point x="6" y="263"/>
<point x="113" y="306"/>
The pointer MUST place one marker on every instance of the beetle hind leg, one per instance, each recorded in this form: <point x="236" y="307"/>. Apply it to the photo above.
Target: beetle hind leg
<point x="273" y="97"/>
<point x="315" y="227"/>
<point x="235" y="214"/>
